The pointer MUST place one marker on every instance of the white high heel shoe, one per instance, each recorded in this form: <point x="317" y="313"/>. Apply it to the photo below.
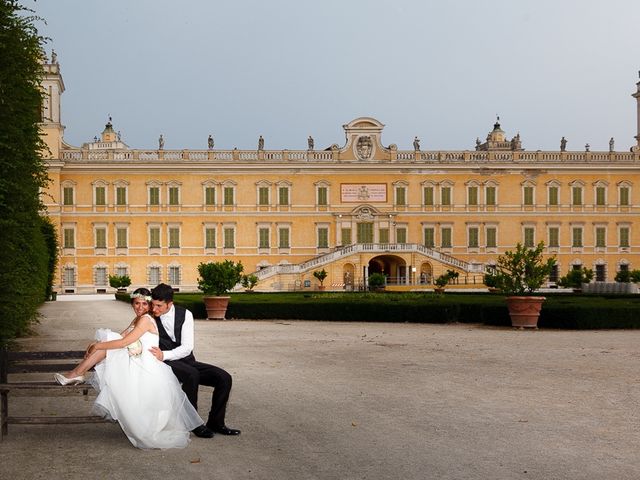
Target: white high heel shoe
<point x="62" y="380"/>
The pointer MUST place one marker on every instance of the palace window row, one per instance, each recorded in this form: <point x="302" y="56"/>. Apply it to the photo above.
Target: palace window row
<point x="156" y="274"/>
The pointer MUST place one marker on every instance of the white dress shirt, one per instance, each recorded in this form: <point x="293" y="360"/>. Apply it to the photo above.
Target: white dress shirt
<point x="186" y="347"/>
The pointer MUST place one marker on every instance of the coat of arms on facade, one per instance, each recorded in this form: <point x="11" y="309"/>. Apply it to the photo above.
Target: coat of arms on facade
<point x="364" y="147"/>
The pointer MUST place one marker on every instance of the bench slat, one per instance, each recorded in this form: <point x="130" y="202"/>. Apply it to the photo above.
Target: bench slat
<point x="19" y="356"/>
<point x="41" y="367"/>
<point x="56" y="420"/>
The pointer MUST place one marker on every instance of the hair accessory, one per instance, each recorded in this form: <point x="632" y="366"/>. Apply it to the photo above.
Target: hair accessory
<point x="140" y="295"/>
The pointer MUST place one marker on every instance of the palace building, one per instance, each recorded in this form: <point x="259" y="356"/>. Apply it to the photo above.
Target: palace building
<point x="352" y="210"/>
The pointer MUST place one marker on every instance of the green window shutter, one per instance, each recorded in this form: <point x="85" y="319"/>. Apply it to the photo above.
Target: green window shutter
<point x="283" y="195"/>
<point x="228" y="196"/>
<point x="69" y="238"/>
<point x="283" y="238"/>
<point x="624" y="236"/>
<point x="365" y="233"/>
<point x="473" y="195"/>
<point x="446" y="196"/>
<point x="473" y="238"/>
<point x="210" y="238"/>
<point x="210" y="196"/>
<point x="383" y="233"/>
<point x="445" y="233"/>
<point x="554" y="237"/>
<point x="401" y="235"/>
<point x="492" y="241"/>
<point x="154" y="237"/>
<point x="67" y="197"/>
<point x="263" y="196"/>
<point x="529" y="234"/>
<point x="600" y="196"/>
<point x="154" y="196"/>
<point x="429" y="237"/>
<point x="624" y="196"/>
<point x="174" y="194"/>
<point x="322" y="196"/>
<point x="174" y="237"/>
<point x="263" y="240"/>
<point x="101" y="196"/>
<point x="345" y="236"/>
<point x="577" y="237"/>
<point x="490" y="195"/>
<point x="323" y="237"/>
<point x="600" y="237"/>
<point x="121" y="238"/>
<point x="553" y="196"/>
<point x="577" y="195"/>
<point x="528" y="195"/>
<point x="428" y="196"/>
<point x="101" y="238"/>
<point x="121" y="195"/>
<point x="229" y="238"/>
<point x="401" y="194"/>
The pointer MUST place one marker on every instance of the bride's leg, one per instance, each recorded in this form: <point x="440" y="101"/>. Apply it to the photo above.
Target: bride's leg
<point x="85" y="365"/>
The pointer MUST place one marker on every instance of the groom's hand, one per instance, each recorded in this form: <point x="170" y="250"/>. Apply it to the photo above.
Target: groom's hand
<point x="156" y="352"/>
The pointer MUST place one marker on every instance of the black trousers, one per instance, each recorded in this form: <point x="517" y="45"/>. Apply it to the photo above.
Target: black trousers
<point x="192" y="374"/>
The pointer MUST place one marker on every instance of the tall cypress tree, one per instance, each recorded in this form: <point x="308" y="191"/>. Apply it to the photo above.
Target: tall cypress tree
<point x="23" y="251"/>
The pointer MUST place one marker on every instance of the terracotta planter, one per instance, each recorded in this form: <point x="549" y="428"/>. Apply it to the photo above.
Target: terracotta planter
<point x="216" y="307"/>
<point x="524" y="311"/>
<point x="438" y="290"/>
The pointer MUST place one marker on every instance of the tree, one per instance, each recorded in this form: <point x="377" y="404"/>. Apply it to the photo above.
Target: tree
<point x="23" y="249"/>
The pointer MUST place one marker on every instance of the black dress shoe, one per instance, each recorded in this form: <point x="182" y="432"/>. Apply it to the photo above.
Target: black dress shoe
<point x="203" y="432"/>
<point x="224" y="430"/>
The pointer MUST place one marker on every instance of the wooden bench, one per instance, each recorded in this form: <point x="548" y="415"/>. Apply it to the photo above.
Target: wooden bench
<point x="27" y="363"/>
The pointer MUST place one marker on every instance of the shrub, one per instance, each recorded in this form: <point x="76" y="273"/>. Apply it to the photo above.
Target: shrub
<point x="320" y="275"/>
<point x="217" y="278"/>
<point x="576" y="277"/>
<point x="249" y="281"/>
<point x="119" y="281"/>
<point x="522" y="271"/>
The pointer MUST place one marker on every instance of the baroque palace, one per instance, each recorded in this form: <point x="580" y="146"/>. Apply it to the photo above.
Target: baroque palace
<point x="354" y="209"/>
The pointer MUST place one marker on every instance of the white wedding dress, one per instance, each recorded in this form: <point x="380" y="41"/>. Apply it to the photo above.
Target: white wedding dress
<point x="143" y="395"/>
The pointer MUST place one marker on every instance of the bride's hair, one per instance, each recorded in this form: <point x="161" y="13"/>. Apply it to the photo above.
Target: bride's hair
<point x="143" y="293"/>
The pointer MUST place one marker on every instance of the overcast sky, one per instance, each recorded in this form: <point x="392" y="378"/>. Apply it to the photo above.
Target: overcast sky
<point x="286" y="69"/>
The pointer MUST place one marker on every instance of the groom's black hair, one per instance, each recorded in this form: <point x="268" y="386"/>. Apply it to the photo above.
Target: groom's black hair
<point x="162" y="292"/>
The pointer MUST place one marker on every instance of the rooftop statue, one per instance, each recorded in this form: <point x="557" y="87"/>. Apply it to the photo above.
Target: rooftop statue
<point x="611" y="144"/>
<point x="416" y="144"/>
<point x="563" y="144"/>
<point x="160" y="143"/>
<point x="310" y="142"/>
<point x="210" y="142"/>
<point x="260" y="143"/>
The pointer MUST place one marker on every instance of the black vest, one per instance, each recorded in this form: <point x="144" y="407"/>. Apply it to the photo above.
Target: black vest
<point x="165" y="340"/>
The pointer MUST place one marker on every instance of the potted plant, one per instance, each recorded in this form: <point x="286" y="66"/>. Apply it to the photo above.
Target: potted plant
<point x="377" y="281"/>
<point x="320" y="275"/>
<point x="444" y="279"/>
<point x="120" y="282"/>
<point x="216" y="279"/>
<point x="519" y="274"/>
<point x="491" y="282"/>
<point x="575" y="278"/>
<point x="248" y="282"/>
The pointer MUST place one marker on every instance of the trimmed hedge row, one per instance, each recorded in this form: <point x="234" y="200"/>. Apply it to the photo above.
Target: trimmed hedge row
<point x="559" y="311"/>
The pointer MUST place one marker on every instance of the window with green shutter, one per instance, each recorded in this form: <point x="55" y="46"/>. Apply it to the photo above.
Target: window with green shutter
<point x="121" y="195"/>
<point x="553" y="196"/>
<point x="154" y="237"/>
<point x="69" y="240"/>
<point x="445" y="195"/>
<point x="345" y="236"/>
<point x="490" y="195"/>
<point x="210" y="195"/>
<point x="365" y="232"/>
<point x="600" y="237"/>
<point x="101" y="238"/>
<point x="473" y="195"/>
<point x="576" y="237"/>
<point x="121" y="238"/>
<point x="529" y="237"/>
<point x="445" y="240"/>
<point x="528" y="195"/>
<point x="210" y="237"/>
<point x="229" y="238"/>
<point x="554" y="237"/>
<point x="383" y="234"/>
<point x="283" y="238"/>
<point x="323" y="237"/>
<point x="101" y="196"/>
<point x="429" y="237"/>
<point x="174" y="195"/>
<point x="154" y="195"/>
<point x="624" y="196"/>
<point x="624" y="236"/>
<point x="174" y="237"/>
<point x="473" y="237"/>
<point x="283" y="195"/>
<point x="263" y="238"/>
<point x="67" y="196"/>
<point x="492" y="237"/>
<point x="323" y="196"/>
<point x="401" y="196"/>
<point x="600" y="196"/>
<point x="577" y="195"/>
<point x="228" y="196"/>
<point x="401" y="235"/>
<point x="263" y="196"/>
<point x="428" y="196"/>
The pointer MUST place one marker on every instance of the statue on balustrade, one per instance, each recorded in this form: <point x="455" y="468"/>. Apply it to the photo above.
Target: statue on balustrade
<point x="260" y="143"/>
<point x="210" y="142"/>
<point x="160" y="143"/>
<point x="416" y="144"/>
<point x="611" y="144"/>
<point x="54" y="57"/>
<point x="587" y="148"/>
<point x="310" y="142"/>
<point x="563" y="144"/>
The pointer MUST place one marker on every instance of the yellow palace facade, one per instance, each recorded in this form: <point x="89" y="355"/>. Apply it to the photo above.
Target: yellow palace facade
<point x="352" y="210"/>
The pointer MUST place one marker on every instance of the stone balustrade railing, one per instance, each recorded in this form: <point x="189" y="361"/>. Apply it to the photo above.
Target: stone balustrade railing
<point x="277" y="156"/>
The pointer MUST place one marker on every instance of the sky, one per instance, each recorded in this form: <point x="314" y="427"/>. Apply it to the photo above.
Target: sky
<point x="287" y="69"/>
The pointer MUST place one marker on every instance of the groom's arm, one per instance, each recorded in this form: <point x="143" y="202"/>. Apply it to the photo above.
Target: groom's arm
<point x="186" y="342"/>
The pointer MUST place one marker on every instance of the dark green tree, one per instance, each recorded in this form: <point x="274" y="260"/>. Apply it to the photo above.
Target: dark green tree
<point x="24" y="258"/>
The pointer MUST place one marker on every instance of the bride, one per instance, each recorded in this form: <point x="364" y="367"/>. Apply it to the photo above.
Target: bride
<point x="138" y="391"/>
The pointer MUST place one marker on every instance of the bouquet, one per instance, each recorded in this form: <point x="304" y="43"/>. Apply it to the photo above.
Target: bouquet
<point x="135" y="348"/>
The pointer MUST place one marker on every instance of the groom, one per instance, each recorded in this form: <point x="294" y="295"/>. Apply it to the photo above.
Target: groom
<point x="175" y="326"/>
